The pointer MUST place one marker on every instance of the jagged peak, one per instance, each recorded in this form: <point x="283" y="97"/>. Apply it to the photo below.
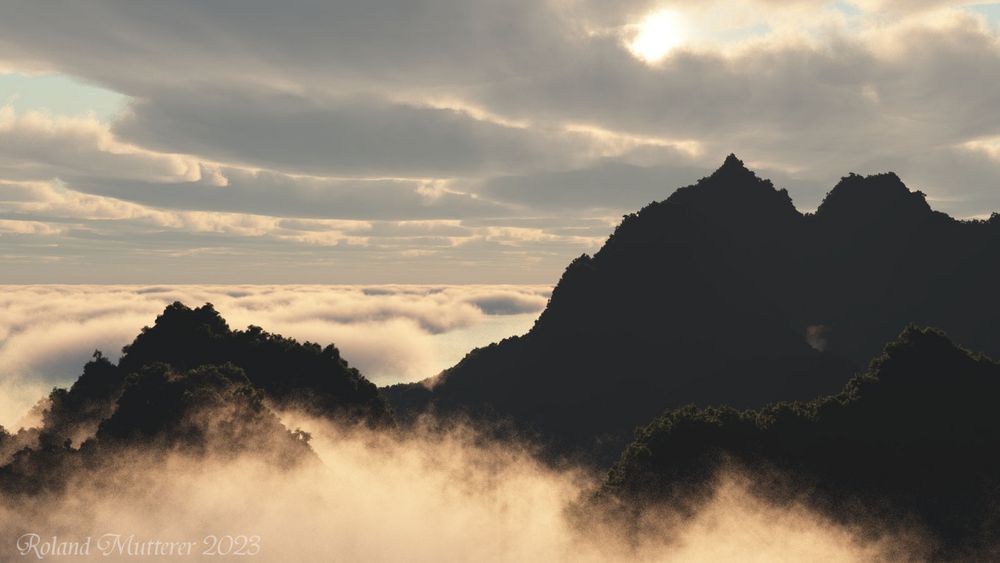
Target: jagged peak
<point x="918" y="357"/>
<point x="179" y="315"/>
<point x="734" y="190"/>
<point x="178" y="326"/>
<point x="876" y="194"/>
<point x="915" y="338"/>
<point x="732" y="174"/>
<point x="732" y="163"/>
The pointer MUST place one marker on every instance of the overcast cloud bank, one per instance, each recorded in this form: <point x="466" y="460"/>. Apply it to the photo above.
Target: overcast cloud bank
<point x="409" y="141"/>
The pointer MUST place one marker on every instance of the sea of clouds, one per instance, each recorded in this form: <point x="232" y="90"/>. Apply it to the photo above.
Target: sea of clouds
<point x="390" y="333"/>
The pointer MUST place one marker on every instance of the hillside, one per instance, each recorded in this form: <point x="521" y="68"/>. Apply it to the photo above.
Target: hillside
<point x="910" y="443"/>
<point x="190" y="385"/>
<point x="724" y="293"/>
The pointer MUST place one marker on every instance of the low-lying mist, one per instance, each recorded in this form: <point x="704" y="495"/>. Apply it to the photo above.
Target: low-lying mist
<point x="418" y="495"/>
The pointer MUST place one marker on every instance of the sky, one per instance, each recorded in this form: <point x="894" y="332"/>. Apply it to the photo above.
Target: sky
<point x="454" y="141"/>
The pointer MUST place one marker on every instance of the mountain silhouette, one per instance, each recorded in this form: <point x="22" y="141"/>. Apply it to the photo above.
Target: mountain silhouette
<point x="206" y="412"/>
<point x="912" y="442"/>
<point x="290" y="374"/>
<point x="724" y="293"/>
<point x="189" y="384"/>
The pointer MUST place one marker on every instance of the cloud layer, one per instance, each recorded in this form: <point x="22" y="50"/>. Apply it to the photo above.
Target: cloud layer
<point x="246" y="128"/>
<point x="390" y="333"/>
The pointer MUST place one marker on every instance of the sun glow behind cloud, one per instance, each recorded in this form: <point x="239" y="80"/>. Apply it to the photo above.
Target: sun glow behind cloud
<point x="657" y="34"/>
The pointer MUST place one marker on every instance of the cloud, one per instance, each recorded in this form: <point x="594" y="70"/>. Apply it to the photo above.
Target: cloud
<point x="364" y="137"/>
<point x="36" y="146"/>
<point x="422" y="496"/>
<point x="60" y="229"/>
<point x="507" y="302"/>
<point x="478" y="112"/>
<point x="391" y="333"/>
<point x="53" y="201"/>
<point x="777" y="92"/>
<point x="540" y="66"/>
<point x="27" y="227"/>
<point x="339" y="44"/>
<point x="283" y="195"/>
<point x="607" y="185"/>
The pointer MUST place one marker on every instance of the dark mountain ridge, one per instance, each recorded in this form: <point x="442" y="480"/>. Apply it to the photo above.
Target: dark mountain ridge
<point x="724" y="293"/>
<point x="289" y="373"/>
<point x="911" y="443"/>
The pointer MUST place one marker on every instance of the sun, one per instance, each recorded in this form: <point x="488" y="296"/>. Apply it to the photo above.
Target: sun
<point x="656" y="35"/>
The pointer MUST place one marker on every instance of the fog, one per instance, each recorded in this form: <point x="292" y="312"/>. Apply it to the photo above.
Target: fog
<point x="415" y="496"/>
<point x="391" y="333"/>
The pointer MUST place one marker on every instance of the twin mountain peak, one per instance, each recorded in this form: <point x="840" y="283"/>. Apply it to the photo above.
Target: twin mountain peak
<point x="724" y="293"/>
<point x="733" y="190"/>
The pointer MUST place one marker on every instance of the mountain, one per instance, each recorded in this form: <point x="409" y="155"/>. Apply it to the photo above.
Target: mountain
<point x="192" y="385"/>
<point x="911" y="443"/>
<point x="724" y="293"/>
<point x="211" y="411"/>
